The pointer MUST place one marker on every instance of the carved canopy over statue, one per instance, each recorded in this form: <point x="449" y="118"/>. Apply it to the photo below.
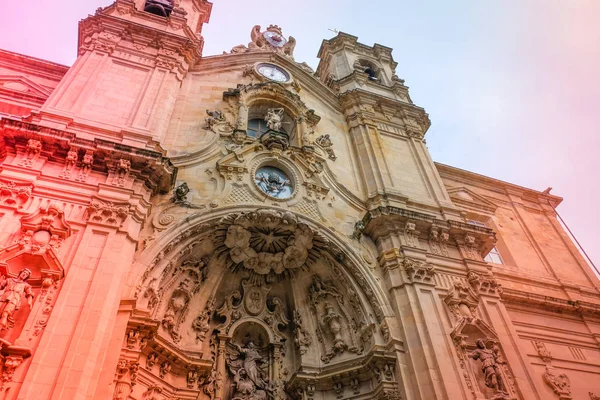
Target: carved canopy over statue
<point x="271" y="40"/>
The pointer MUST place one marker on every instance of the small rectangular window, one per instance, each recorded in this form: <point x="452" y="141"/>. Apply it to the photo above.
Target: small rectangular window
<point x="494" y="255"/>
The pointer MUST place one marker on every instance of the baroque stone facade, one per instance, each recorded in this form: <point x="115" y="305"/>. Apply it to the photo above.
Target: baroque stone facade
<point x="241" y="226"/>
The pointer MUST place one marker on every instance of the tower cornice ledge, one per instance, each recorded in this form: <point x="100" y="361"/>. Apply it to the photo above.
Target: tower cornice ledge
<point x="152" y="167"/>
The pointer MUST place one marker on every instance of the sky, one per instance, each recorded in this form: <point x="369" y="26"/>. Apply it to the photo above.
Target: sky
<point x="511" y="86"/>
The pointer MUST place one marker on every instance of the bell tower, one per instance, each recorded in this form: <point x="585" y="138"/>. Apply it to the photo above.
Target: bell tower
<point x="387" y="129"/>
<point x="132" y="58"/>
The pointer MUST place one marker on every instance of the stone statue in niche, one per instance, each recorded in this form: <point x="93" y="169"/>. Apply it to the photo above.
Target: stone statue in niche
<point x="246" y="365"/>
<point x="333" y="320"/>
<point x="490" y="366"/>
<point x="337" y="329"/>
<point x="274" y="118"/>
<point x="179" y="299"/>
<point x="10" y="300"/>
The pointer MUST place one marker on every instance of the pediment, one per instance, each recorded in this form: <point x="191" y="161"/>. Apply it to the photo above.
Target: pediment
<point x="469" y="199"/>
<point x="24" y="85"/>
<point x="14" y="258"/>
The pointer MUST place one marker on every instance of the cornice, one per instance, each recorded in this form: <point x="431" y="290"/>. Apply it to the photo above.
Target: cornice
<point x="151" y="167"/>
<point x="32" y="65"/>
<point x="550" y="303"/>
<point x="495" y="185"/>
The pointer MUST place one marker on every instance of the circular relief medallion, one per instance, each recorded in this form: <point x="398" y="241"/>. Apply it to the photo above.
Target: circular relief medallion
<point x="274" y="182"/>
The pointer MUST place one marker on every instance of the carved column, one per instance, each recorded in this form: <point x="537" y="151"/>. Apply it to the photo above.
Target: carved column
<point x="221" y="368"/>
<point x="242" y="121"/>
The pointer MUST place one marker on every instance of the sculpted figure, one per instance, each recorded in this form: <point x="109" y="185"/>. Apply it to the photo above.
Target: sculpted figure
<point x="332" y="320"/>
<point x="490" y="367"/>
<point x="10" y="301"/>
<point x="273" y="118"/>
<point x="250" y="383"/>
<point x="201" y="325"/>
<point x="272" y="184"/>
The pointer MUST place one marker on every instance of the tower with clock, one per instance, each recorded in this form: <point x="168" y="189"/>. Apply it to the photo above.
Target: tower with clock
<point x="242" y="226"/>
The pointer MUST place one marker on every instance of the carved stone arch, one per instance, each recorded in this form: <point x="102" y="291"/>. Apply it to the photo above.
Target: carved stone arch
<point x="212" y="340"/>
<point x="200" y="226"/>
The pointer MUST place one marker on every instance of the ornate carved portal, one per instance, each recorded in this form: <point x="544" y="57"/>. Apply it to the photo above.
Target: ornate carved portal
<point x="241" y="307"/>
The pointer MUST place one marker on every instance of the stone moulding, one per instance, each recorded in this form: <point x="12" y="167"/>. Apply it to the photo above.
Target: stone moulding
<point x="156" y="171"/>
<point x="517" y="297"/>
<point x="381" y="220"/>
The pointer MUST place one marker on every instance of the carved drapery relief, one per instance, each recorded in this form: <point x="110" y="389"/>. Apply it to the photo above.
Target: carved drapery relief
<point x="559" y="382"/>
<point x="594" y="396"/>
<point x="194" y="273"/>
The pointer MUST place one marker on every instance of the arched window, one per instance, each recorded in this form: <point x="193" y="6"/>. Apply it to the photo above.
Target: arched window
<point x="368" y="68"/>
<point x="162" y="8"/>
<point x="256" y="127"/>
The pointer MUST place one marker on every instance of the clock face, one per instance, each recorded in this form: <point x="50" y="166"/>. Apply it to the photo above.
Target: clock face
<point x="275" y="39"/>
<point x="273" y="72"/>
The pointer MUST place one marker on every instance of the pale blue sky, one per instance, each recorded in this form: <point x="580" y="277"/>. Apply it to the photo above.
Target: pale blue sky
<point x="511" y="87"/>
